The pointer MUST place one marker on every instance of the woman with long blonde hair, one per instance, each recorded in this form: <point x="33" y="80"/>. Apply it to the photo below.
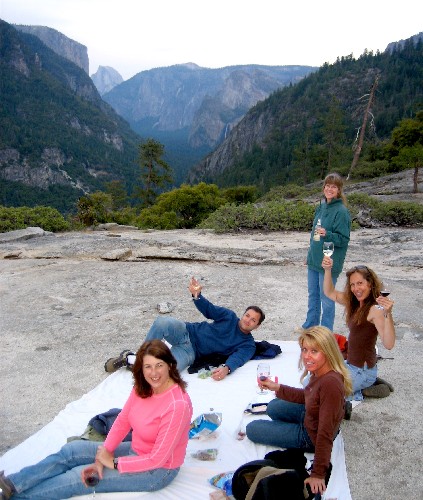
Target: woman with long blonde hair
<point x="309" y="418"/>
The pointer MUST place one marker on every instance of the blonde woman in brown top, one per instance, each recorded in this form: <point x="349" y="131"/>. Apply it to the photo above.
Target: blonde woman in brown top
<point x="308" y="418"/>
<point x="366" y="322"/>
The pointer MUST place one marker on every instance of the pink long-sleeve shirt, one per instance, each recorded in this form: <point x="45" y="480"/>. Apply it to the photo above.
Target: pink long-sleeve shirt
<point x="160" y="427"/>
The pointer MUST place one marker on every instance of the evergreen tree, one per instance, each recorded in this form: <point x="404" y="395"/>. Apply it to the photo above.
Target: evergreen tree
<point x="156" y="174"/>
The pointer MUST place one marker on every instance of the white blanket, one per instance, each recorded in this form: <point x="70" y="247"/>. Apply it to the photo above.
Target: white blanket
<point x="229" y="396"/>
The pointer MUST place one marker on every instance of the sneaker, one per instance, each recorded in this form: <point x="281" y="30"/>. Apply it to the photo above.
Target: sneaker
<point x="113" y="364"/>
<point x="376" y="391"/>
<point x="348" y="410"/>
<point x="381" y="381"/>
<point x="6" y="487"/>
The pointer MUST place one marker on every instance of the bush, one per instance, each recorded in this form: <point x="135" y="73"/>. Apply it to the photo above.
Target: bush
<point x="287" y="192"/>
<point x="371" y="169"/>
<point x="272" y="216"/>
<point x="240" y="194"/>
<point x="399" y="213"/>
<point x="154" y="218"/>
<point x="47" y="218"/>
<point x="95" y="208"/>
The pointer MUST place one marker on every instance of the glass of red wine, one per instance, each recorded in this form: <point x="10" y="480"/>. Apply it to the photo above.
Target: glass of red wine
<point x="263" y="372"/>
<point x="385" y="291"/>
<point x="92" y="479"/>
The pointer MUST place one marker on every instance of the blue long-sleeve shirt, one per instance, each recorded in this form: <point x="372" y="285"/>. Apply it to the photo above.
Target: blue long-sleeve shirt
<point x="221" y="335"/>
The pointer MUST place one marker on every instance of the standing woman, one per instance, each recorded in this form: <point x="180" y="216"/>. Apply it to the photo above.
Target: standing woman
<point x="308" y="418"/>
<point x="335" y="226"/>
<point x="158" y="411"/>
<point x="366" y="321"/>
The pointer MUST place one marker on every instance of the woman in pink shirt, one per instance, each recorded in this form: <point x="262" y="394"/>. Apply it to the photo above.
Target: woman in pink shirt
<point x="158" y="411"/>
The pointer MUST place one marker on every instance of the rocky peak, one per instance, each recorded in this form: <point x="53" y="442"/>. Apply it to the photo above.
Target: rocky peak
<point x="61" y="44"/>
<point x="106" y="78"/>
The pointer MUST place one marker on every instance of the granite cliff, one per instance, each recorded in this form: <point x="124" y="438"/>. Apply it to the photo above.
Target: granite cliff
<point x="106" y="78"/>
<point x="60" y="43"/>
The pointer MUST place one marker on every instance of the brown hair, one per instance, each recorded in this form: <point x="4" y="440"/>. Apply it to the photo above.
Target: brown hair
<point x="336" y="179"/>
<point x="159" y="350"/>
<point x="322" y="339"/>
<point x="257" y="310"/>
<point x="352" y="305"/>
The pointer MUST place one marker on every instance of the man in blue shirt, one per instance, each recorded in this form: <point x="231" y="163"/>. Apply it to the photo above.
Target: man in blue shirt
<point x="225" y="335"/>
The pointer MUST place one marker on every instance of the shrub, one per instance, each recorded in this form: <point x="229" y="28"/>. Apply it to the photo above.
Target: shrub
<point x="287" y="192"/>
<point x="95" y="208"/>
<point x="47" y="218"/>
<point x="371" y="169"/>
<point x="240" y="194"/>
<point x="154" y="218"/>
<point x="272" y="216"/>
<point x="399" y="213"/>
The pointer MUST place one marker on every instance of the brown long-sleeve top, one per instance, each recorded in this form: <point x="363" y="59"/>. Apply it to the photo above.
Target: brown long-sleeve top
<point x="324" y="400"/>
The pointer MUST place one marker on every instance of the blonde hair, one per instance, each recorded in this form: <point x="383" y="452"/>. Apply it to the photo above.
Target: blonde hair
<point x="322" y="339"/>
<point x="336" y="179"/>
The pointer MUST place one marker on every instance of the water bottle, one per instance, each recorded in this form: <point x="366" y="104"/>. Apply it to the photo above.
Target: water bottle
<point x="316" y="236"/>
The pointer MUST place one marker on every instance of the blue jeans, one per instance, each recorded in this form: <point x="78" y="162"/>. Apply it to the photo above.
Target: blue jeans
<point x="285" y="430"/>
<point x="318" y="303"/>
<point x="58" y="476"/>
<point x="175" y="332"/>
<point x="361" y="378"/>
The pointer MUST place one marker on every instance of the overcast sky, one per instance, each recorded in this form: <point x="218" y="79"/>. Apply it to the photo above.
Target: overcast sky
<point x="136" y="35"/>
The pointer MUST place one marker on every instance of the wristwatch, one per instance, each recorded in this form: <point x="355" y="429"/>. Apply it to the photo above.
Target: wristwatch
<point x="115" y="463"/>
<point x="229" y="370"/>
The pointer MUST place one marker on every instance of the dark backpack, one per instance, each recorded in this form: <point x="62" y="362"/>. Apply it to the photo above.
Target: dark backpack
<point x="277" y="485"/>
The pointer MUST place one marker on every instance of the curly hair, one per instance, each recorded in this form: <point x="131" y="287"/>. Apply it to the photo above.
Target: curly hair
<point x="352" y="305"/>
<point x="159" y="350"/>
<point x="322" y="339"/>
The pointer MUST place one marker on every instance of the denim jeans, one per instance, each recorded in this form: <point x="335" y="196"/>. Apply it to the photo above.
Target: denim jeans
<point x="361" y="378"/>
<point x="175" y="332"/>
<point x="285" y="430"/>
<point x="321" y="309"/>
<point x="58" y="476"/>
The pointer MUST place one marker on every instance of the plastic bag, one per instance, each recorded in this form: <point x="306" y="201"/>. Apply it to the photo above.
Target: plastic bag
<point x="205" y="455"/>
<point x="204" y="425"/>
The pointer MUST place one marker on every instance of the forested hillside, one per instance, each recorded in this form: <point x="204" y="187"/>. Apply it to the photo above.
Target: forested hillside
<point x="58" y="139"/>
<point x="301" y="132"/>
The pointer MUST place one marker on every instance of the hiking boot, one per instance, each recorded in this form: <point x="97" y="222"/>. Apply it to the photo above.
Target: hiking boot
<point x="6" y="487"/>
<point x="113" y="364"/>
<point x="376" y="391"/>
<point x="381" y="381"/>
<point x="348" y="410"/>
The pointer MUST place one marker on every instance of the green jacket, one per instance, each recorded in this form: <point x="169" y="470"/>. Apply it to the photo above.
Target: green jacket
<point x="335" y="218"/>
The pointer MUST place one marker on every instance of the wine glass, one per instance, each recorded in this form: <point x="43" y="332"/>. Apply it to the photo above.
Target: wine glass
<point x="384" y="292"/>
<point x="328" y="248"/>
<point x="263" y="372"/>
<point x="92" y="479"/>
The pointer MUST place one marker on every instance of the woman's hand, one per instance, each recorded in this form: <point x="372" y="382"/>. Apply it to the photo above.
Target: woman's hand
<point x="104" y="458"/>
<point x="269" y="384"/>
<point x="316" y="485"/>
<point x="327" y="262"/>
<point x="386" y="303"/>
<point x="93" y="469"/>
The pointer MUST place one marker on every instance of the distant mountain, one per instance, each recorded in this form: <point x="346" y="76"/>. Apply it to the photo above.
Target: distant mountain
<point x="106" y="78"/>
<point x="59" y="43"/>
<point x="192" y="109"/>
<point x="59" y="139"/>
<point x="400" y="44"/>
<point x="299" y="132"/>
